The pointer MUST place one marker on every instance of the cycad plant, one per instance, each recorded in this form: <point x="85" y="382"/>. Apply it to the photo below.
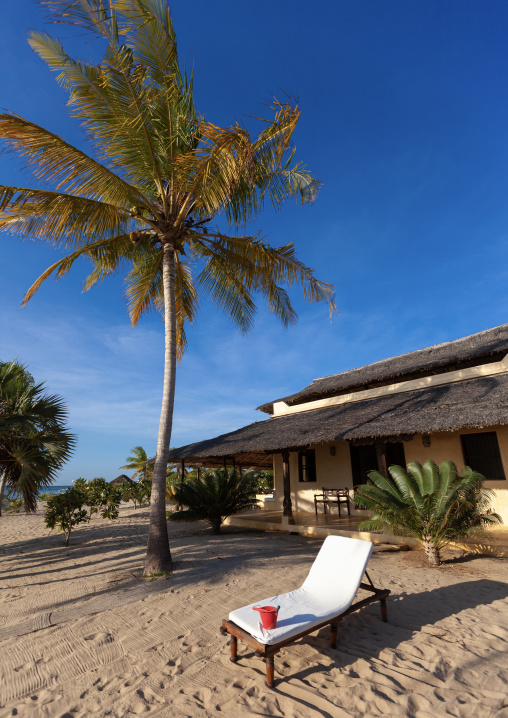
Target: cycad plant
<point x="215" y="496"/>
<point x="430" y="504"/>
<point x="156" y="177"/>
<point x="34" y="441"/>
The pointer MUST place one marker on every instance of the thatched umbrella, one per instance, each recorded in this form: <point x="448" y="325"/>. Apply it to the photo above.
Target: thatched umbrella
<point x="121" y="480"/>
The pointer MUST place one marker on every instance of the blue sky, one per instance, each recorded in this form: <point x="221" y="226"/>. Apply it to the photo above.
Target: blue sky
<point x="404" y="116"/>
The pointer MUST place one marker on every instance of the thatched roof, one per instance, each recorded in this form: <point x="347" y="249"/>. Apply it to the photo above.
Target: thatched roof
<point x="121" y="479"/>
<point x="476" y="403"/>
<point x="482" y="348"/>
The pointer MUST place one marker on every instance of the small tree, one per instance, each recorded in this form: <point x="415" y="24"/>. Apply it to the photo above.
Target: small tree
<point x="66" y="510"/>
<point x="214" y="496"/>
<point x="434" y="506"/>
<point x="103" y="498"/>
<point x="138" y="491"/>
<point x="129" y="493"/>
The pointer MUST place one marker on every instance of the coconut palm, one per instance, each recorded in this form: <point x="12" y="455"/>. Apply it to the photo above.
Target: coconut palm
<point x="215" y="496"/>
<point x="433" y="506"/>
<point x="162" y="175"/>
<point x="137" y="463"/>
<point x="34" y="441"/>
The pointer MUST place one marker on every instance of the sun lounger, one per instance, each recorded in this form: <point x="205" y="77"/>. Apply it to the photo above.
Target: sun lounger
<point x="325" y="597"/>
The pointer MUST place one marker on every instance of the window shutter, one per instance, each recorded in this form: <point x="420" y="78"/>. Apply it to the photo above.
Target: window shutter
<point x="481" y="453"/>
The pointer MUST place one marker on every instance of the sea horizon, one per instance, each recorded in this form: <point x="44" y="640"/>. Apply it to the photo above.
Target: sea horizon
<point x="55" y="488"/>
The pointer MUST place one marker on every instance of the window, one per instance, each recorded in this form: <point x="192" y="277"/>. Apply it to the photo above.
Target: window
<point x="481" y="453"/>
<point x="307" y="465"/>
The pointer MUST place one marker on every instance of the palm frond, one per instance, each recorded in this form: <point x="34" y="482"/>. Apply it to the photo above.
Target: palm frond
<point x="63" y="266"/>
<point x="63" y="219"/>
<point x="34" y="441"/>
<point x="95" y="16"/>
<point x="262" y="268"/>
<point x="71" y="170"/>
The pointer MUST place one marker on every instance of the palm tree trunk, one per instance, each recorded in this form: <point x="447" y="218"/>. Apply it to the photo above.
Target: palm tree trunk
<point x="158" y="555"/>
<point x="3" y="482"/>
<point x="432" y="553"/>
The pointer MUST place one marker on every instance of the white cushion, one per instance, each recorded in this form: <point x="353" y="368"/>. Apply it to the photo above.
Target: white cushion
<point x="328" y="590"/>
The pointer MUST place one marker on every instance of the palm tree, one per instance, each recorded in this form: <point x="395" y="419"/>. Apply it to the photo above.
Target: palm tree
<point x="215" y="496"/>
<point x="137" y="462"/>
<point x="34" y="442"/>
<point x="162" y="176"/>
<point x="434" y="506"/>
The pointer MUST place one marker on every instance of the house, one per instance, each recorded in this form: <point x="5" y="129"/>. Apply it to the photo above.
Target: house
<point x="447" y="401"/>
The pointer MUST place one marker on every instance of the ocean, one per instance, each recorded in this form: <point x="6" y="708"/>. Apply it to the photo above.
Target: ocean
<point x="53" y="489"/>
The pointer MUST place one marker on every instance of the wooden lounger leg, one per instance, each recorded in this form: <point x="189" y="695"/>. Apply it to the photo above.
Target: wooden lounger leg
<point x="233" y="644"/>
<point x="384" y="612"/>
<point x="269" y="671"/>
<point x="333" y="635"/>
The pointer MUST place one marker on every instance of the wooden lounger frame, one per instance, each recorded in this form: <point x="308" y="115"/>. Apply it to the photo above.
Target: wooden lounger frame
<point x="267" y="652"/>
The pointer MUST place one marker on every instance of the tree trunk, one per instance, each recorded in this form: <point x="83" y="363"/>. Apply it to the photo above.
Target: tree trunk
<point x="432" y="553"/>
<point x="158" y="555"/>
<point x="3" y="483"/>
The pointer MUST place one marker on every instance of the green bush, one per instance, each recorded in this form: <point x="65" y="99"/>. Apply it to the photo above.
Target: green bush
<point x="213" y="497"/>
<point x="13" y="505"/>
<point x="66" y="510"/>
<point x="433" y="506"/>
<point x="78" y="503"/>
<point x="44" y="496"/>
<point x="262" y="481"/>
<point x="138" y="491"/>
<point x="103" y="498"/>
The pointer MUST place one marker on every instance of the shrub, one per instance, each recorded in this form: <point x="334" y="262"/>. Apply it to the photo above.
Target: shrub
<point x="78" y="503"/>
<point x="262" y="481"/>
<point x="102" y="498"/>
<point x="138" y="491"/>
<point x="66" y="510"/>
<point x="213" y="497"/>
<point x="44" y="496"/>
<point x="13" y="505"/>
<point x="433" y="506"/>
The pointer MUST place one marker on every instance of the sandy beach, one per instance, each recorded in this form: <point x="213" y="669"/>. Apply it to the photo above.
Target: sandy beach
<point x="82" y="633"/>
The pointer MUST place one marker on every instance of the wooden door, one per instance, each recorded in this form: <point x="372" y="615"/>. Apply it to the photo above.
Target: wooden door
<point x="363" y="460"/>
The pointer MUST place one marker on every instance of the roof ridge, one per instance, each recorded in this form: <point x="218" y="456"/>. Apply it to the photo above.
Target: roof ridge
<point x="468" y="348"/>
<point x="414" y="351"/>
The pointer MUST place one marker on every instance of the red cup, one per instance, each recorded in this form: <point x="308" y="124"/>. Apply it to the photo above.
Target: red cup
<point x="268" y="616"/>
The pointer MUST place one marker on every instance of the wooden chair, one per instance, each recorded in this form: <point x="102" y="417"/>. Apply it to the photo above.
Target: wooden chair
<point x="329" y="497"/>
<point x="325" y="597"/>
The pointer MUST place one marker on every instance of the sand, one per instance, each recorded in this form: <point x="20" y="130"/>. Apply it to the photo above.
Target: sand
<point x="82" y="633"/>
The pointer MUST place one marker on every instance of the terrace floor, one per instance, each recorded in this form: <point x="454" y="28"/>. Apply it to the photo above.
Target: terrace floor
<point x="323" y="525"/>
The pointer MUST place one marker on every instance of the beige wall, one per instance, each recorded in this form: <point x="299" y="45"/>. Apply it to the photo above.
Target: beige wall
<point x="335" y="471"/>
<point x="447" y="446"/>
